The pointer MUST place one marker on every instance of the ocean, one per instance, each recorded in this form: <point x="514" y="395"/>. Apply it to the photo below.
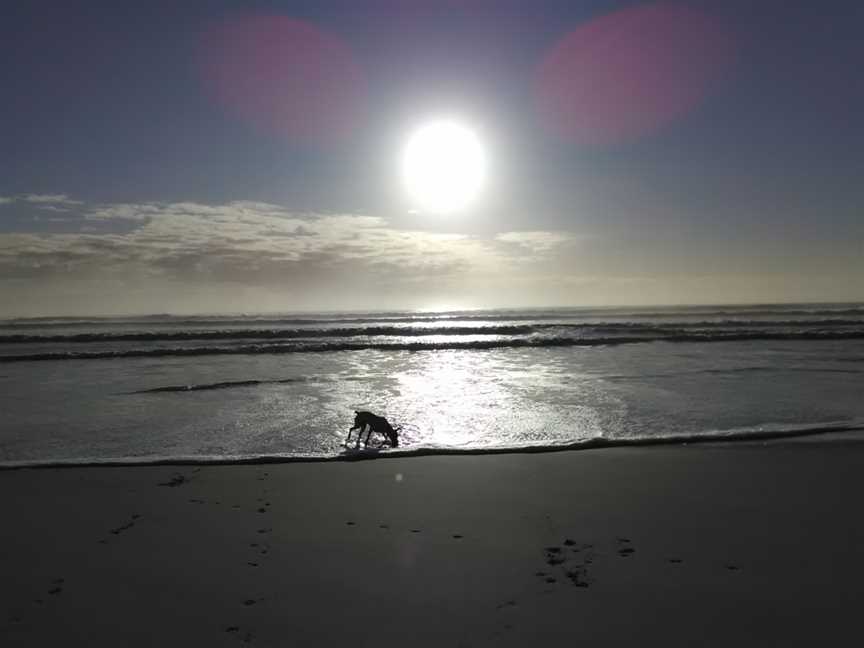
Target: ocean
<point x="275" y="387"/>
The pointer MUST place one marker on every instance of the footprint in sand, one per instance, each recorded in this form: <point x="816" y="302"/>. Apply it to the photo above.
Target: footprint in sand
<point x="553" y="556"/>
<point x="627" y="551"/>
<point x="578" y="577"/>
<point x="577" y="574"/>
<point x="176" y="480"/>
<point x="235" y="630"/>
<point x="127" y="526"/>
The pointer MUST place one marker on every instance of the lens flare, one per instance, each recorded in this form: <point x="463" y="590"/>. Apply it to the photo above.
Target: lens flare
<point x="285" y="77"/>
<point x="628" y="74"/>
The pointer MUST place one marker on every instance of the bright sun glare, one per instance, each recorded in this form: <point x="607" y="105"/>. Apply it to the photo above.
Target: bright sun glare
<point x="444" y="167"/>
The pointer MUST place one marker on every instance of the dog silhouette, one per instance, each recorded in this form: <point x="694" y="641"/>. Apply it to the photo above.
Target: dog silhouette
<point x="376" y="424"/>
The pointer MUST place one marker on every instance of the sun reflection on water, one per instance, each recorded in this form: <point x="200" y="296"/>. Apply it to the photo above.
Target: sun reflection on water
<point x="490" y="399"/>
<point x="455" y="396"/>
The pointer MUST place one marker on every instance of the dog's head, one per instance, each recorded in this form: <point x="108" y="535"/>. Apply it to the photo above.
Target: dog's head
<point x="394" y="437"/>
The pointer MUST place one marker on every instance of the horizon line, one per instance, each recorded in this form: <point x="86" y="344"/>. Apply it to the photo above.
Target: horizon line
<point x="421" y="311"/>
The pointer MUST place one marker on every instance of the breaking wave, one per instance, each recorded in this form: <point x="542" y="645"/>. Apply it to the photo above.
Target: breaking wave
<point x="476" y="345"/>
<point x="666" y="328"/>
<point x="266" y="334"/>
<point x="708" y="312"/>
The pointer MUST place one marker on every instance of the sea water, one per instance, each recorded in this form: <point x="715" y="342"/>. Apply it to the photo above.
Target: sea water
<point x="244" y="386"/>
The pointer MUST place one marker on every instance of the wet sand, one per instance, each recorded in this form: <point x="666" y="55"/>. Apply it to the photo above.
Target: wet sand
<point x="675" y="546"/>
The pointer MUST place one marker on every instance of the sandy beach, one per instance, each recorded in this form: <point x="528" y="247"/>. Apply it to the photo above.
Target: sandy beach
<point x="676" y="546"/>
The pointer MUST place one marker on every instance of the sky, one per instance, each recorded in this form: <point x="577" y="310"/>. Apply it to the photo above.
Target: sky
<point x="167" y="157"/>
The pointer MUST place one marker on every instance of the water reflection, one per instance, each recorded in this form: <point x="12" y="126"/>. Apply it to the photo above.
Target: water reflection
<point x="484" y="399"/>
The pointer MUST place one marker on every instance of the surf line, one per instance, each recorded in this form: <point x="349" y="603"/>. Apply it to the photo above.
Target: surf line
<point x="596" y="443"/>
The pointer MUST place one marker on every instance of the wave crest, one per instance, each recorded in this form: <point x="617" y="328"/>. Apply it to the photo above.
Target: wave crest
<point x="474" y="345"/>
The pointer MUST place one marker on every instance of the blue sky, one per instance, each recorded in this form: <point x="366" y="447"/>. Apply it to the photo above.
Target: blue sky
<point x="116" y="152"/>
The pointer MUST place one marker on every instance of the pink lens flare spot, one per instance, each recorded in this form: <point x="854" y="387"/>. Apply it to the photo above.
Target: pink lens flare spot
<point x="284" y="76"/>
<point x="628" y="74"/>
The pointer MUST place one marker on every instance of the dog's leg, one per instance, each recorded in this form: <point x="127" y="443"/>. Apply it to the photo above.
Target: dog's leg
<point x="368" y="435"/>
<point x="350" y="430"/>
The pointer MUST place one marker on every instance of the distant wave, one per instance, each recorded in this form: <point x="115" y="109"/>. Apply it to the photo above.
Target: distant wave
<point x="502" y="343"/>
<point x="183" y="321"/>
<point x="219" y="385"/>
<point x="763" y="433"/>
<point x="665" y="329"/>
<point x="267" y="334"/>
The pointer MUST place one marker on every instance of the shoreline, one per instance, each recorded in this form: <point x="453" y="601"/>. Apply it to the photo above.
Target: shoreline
<point x="744" y="436"/>
<point x="738" y="544"/>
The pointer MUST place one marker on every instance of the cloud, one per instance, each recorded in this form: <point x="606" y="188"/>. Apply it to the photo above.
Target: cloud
<point x="243" y="255"/>
<point x="48" y="202"/>
<point x="254" y="256"/>
<point x="537" y="242"/>
<point x="256" y="244"/>
<point x="49" y="199"/>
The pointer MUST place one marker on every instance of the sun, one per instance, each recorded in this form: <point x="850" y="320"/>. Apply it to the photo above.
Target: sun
<point x="443" y="167"/>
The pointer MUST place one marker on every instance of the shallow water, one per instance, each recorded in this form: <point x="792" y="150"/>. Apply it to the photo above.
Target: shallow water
<point x="459" y="397"/>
